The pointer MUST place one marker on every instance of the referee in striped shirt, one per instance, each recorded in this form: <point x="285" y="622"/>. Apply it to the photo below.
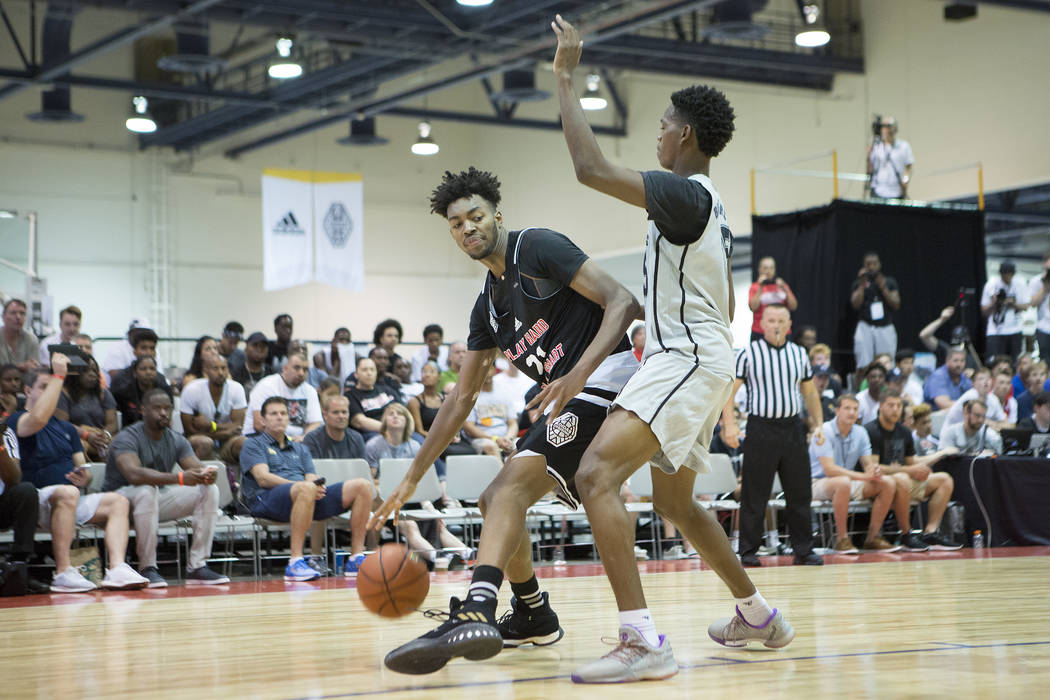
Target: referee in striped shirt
<point x="778" y="376"/>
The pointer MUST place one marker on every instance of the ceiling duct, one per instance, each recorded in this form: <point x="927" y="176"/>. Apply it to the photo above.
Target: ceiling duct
<point x="58" y="25"/>
<point x="520" y="86"/>
<point x="733" y="19"/>
<point x="192" y="49"/>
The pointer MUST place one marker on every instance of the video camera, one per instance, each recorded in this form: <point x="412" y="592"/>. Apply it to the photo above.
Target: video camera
<point x="963" y="296"/>
<point x="876" y="126"/>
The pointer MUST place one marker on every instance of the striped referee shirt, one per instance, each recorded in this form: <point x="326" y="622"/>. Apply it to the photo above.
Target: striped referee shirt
<point x="772" y="376"/>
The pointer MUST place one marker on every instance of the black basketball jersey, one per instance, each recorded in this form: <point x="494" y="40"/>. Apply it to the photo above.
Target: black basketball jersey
<point x="533" y="315"/>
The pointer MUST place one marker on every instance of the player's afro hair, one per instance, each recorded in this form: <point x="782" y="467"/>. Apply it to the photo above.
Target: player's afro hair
<point x="464" y="184"/>
<point x="706" y="110"/>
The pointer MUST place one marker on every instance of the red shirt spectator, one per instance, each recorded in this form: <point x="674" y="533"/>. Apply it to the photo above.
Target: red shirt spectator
<point x="768" y="289"/>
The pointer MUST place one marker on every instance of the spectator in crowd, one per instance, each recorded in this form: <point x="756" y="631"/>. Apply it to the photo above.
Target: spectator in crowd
<point x="52" y="459"/>
<point x="922" y="436"/>
<point x="513" y="384"/>
<point x="1039" y="299"/>
<point x="212" y="410"/>
<point x="432" y="351"/>
<point x="1039" y="421"/>
<point x="131" y="384"/>
<point x="889" y="162"/>
<point x="141" y="340"/>
<point x="278" y="350"/>
<point x="972" y="436"/>
<point x="638" y="341"/>
<point x="1002" y="300"/>
<point x="875" y="297"/>
<point x="1002" y="388"/>
<point x="206" y="348"/>
<point x="402" y="374"/>
<point x="1019" y="381"/>
<point x="368" y="399"/>
<point x="424" y="409"/>
<point x="339" y="358"/>
<point x="141" y="467"/>
<point x="822" y="383"/>
<point x="820" y="358"/>
<point x="806" y="336"/>
<point x="328" y="387"/>
<point x="301" y="404"/>
<point x="19" y="507"/>
<point x="768" y="289"/>
<point x="492" y="425"/>
<point x="835" y="477"/>
<point x="17" y="345"/>
<point x="947" y="383"/>
<point x="387" y="335"/>
<point x="255" y="367"/>
<point x="278" y="484"/>
<point x="896" y="380"/>
<point x="981" y="389"/>
<point x="904" y="362"/>
<point x="915" y="480"/>
<point x="83" y="341"/>
<point x="384" y="377"/>
<point x="457" y="352"/>
<point x="1035" y="382"/>
<point x="314" y="374"/>
<point x="868" y="400"/>
<point x="232" y="334"/>
<point x="68" y="326"/>
<point x="89" y="407"/>
<point x="959" y="340"/>
<point x="10" y="386"/>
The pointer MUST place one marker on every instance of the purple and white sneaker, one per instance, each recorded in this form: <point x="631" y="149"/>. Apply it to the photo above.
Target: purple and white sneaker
<point x="737" y="632"/>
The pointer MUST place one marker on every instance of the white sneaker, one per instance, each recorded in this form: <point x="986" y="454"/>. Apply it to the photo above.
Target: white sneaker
<point x="640" y="554"/>
<point x="632" y="660"/>
<point x="71" y="581"/>
<point x="123" y="578"/>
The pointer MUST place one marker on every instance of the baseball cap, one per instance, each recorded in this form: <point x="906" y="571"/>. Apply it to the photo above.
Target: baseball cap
<point x="140" y="322"/>
<point x="895" y="375"/>
<point x="257" y="337"/>
<point x="821" y="372"/>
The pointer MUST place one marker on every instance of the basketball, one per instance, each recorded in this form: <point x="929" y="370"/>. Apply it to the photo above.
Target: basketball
<point x="393" y="581"/>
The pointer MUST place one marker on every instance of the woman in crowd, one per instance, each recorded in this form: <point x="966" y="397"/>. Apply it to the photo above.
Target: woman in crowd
<point x="131" y="384"/>
<point x="387" y="335"/>
<point x="368" y="399"/>
<point x="424" y="409"/>
<point x="85" y="404"/>
<point x="10" y="387"/>
<point x="207" y="347"/>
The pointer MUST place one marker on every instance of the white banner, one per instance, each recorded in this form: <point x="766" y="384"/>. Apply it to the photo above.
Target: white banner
<point x="338" y="230"/>
<point x="288" y="223"/>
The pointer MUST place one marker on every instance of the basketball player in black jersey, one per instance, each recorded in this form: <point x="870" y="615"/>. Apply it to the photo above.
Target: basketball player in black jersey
<point x="562" y="321"/>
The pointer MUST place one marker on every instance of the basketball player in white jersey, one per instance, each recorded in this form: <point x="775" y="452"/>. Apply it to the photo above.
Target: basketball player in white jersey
<point x="666" y="413"/>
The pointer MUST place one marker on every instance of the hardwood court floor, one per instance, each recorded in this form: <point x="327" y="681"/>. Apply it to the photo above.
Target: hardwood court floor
<point x="943" y="625"/>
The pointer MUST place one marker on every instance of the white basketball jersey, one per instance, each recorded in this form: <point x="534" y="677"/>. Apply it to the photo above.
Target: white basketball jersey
<point x="687" y="292"/>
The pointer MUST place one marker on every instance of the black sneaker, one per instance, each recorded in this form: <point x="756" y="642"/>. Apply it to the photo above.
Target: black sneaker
<point x="153" y="576"/>
<point x="524" y="625"/>
<point x="750" y="560"/>
<point x="938" y="542"/>
<point x="910" y="542"/>
<point x="466" y="632"/>
<point x="811" y="559"/>
<point x="205" y="577"/>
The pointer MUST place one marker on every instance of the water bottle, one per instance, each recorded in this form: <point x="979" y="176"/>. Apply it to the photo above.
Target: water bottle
<point x="978" y="540"/>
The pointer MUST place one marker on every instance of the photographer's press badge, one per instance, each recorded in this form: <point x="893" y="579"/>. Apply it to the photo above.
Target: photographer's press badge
<point x="877" y="312"/>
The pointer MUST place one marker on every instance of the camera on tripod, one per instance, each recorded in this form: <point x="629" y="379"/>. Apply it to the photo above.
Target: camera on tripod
<point x="876" y="126"/>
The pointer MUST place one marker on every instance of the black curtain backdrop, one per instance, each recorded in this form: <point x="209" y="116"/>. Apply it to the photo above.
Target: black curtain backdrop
<point x="932" y="253"/>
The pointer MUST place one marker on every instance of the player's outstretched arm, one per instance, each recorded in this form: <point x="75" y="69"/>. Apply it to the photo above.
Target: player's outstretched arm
<point x="449" y="420"/>
<point x="592" y="169"/>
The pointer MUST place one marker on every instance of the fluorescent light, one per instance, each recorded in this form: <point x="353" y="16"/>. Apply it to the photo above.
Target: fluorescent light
<point x="424" y="145"/>
<point x="140" y="120"/>
<point x="8" y="213"/>
<point x="474" y="3"/>
<point x="810" y="38"/>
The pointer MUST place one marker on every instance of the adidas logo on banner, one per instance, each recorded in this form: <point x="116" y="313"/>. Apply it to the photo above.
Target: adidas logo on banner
<point x="289" y="225"/>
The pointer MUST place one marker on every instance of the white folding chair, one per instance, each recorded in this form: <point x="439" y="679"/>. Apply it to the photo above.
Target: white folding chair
<point x="467" y="477"/>
<point x="641" y="485"/>
<point x="229" y="526"/>
<point x="718" y="480"/>
<point x="392" y="472"/>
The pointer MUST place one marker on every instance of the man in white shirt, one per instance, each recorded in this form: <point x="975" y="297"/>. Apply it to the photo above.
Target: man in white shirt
<point x="432" y="351"/>
<point x="212" y="408"/>
<point x="911" y="386"/>
<point x="141" y="340"/>
<point x="1002" y="387"/>
<point x="304" y="409"/>
<point x="1001" y="301"/>
<point x="982" y="389"/>
<point x="1039" y="297"/>
<point x="492" y="424"/>
<point x="513" y="384"/>
<point x="889" y="162"/>
<point x="875" y="374"/>
<point x="972" y="436"/>
<point x="68" y="326"/>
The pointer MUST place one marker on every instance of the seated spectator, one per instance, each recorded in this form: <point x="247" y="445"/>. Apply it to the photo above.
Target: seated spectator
<point x="972" y="436"/>
<point x="11" y="399"/>
<point x="212" y="410"/>
<point x="424" y="408"/>
<point x="384" y="364"/>
<point x="232" y="334"/>
<point x="767" y="289"/>
<point x="959" y="340"/>
<point x="947" y="383"/>
<point x="278" y="484"/>
<point x="833" y="468"/>
<point x="513" y="384"/>
<point x="905" y="364"/>
<point x="821" y="382"/>
<point x="278" y="349"/>
<point x="394" y="441"/>
<point x="141" y="467"/>
<point x="981" y="389"/>
<point x="131" y="384"/>
<point x="339" y="358"/>
<point x="314" y="375"/>
<point x="432" y="351"/>
<point x="52" y="459"/>
<point x="820" y="357"/>
<point x="368" y="399"/>
<point x="141" y="341"/>
<point x="68" y="327"/>
<point x="17" y="345"/>
<point x="457" y="352"/>
<point x="915" y="480"/>
<point x="1039" y="421"/>
<point x="83" y="341"/>
<point x="402" y="373"/>
<point x="255" y="367"/>
<point x="885" y="359"/>
<point x="206" y="348"/>
<point x="1002" y="388"/>
<point x="387" y="335"/>
<point x="922" y="431"/>
<point x="328" y="387"/>
<point x="1034" y="383"/>
<point x="638" y="341"/>
<point x="18" y="504"/>
<point x="301" y="404"/>
<point x="806" y="336"/>
<point x="492" y="425"/>
<point x="85" y="404"/>
<point x="336" y="440"/>
<point x="868" y="400"/>
<point x="1020" y="379"/>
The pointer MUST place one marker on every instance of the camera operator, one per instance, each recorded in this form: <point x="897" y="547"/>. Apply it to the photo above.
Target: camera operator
<point x="1039" y="297"/>
<point x="768" y="289"/>
<point x="1001" y="301"/>
<point x="874" y="296"/>
<point x="959" y="340"/>
<point x="889" y="161"/>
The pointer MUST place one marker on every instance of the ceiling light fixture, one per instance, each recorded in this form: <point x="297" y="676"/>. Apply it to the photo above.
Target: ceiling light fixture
<point x="474" y="3"/>
<point x="284" y="67"/>
<point x="140" y="120"/>
<point x="813" y="33"/>
<point x="592" y="100"/>
<point x="424" y="145"/>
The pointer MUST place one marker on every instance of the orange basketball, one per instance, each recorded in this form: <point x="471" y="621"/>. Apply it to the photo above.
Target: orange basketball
<point x="393" y="581"/>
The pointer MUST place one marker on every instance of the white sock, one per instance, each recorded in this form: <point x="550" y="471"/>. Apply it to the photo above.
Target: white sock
<point x="755" y="609"/>
<point x="642" y="621"/>
<point x="772" y="538"/>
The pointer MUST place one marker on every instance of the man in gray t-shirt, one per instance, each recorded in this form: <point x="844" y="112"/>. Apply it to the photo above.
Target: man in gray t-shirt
<point x="141" y="466"/>
<point x="972" y="436"/>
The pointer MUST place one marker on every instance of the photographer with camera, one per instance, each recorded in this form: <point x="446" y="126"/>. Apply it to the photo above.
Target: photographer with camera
<point x="874" y="296"/>
<point x="1001" y="301"/>
<point x="889" y="161"/>
<point x="768" y="289"/>
<point x="1039" y="297"/>
<point x="958" y="340"/>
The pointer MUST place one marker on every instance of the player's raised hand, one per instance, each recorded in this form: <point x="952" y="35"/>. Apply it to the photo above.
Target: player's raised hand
<point x="570" y="46"/>
<point x="392" y="505"/>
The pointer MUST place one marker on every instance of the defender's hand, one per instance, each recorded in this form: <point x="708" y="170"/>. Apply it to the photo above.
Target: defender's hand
<point x="570" y="47"/>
